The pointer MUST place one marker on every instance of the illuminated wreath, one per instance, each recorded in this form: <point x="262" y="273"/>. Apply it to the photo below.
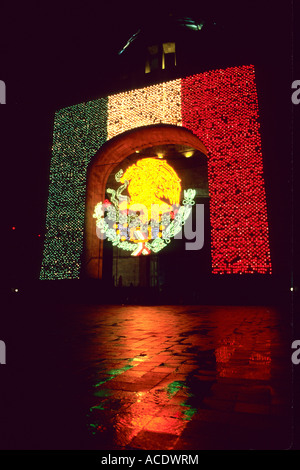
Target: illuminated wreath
<point x="154" y="188"/>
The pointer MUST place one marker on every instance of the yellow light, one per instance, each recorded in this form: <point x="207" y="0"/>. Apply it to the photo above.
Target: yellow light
<point x="189" y="154"/>
<point x="152" y="182"/>
<point x="160" y="155"/>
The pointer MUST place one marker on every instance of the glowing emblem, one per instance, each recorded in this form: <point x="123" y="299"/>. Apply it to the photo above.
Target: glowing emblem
<point x="145" y="220"/>
<point x="151" y="182"/>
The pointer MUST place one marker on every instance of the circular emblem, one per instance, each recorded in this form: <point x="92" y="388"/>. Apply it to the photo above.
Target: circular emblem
<point x="145" y="212"/>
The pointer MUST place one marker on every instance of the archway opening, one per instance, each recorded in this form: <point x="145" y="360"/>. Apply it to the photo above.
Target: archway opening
<point x="173" y="266"/>
<point x="188" y="157"/>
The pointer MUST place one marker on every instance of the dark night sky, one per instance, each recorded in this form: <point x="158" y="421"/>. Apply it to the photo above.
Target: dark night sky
<point x="53" y="55"/>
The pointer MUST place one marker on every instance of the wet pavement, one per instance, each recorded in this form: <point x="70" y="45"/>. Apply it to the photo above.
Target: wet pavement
<point x="155" y="378"/>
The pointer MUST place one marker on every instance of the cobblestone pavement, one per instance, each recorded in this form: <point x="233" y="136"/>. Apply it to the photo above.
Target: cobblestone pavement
<point x="185" y="377"/>
<point x="169" y="377"/>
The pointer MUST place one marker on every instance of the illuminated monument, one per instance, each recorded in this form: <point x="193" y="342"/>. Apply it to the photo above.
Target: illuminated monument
<point x="152" y="144"/>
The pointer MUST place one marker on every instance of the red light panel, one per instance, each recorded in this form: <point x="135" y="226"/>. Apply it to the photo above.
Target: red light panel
<point x="221" y="108"/>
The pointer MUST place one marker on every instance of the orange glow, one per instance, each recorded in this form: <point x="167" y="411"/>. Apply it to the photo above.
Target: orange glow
<point x="152" y="182"/>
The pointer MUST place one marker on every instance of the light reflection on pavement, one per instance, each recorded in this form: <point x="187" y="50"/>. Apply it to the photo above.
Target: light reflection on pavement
<point x="177" y="377"/>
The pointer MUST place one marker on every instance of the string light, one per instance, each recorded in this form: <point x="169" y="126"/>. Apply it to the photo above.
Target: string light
<point x="154" y="104"/>
<point x="221" y="108"/>
<point x="79" y="131"/>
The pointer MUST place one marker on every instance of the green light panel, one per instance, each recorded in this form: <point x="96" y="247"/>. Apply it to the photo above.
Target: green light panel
<point x="79" y="131"/>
